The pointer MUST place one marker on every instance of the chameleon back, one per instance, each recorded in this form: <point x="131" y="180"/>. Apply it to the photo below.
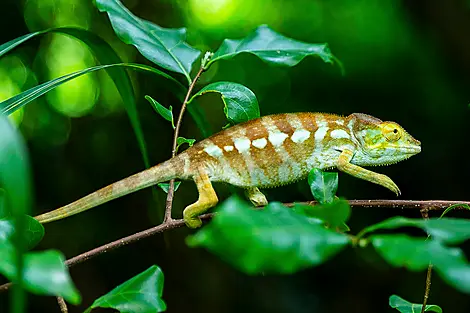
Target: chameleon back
<point x="270" y="151"/>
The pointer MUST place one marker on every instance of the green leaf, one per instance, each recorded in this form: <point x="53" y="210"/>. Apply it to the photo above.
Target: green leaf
<point x="448" y="230"/>
<point x="15" y="180"/>
<point x="166" y="186"/>
<point x="3" y="208"/>
<point x="14" y="169"/>
<point x="142" y="293"/>
<point x="32" y="236"/>
<point x="14" y="103"/>
<point x="454" y="206"/>
<point x="273" y="240"/>
<point x="44" y="273"/>
<point x="163" y="46"/>
<point x="323" y="185"/>
<point x="404" y="306"/>
<point x="335" y="214"/>
<point x="181" y="140"/>
<point x="272" y="48"/>
<point x="415" y="254"/>
<point x="240" y="103"/>
<point x="160" y="109"/>
<point x="105" y="54"/>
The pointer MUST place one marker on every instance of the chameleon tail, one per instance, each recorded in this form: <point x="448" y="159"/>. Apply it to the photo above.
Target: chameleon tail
<point x="159" y="173"/>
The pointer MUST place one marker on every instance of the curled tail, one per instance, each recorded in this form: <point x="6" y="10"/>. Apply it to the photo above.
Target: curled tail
<point x="154" y="175"/>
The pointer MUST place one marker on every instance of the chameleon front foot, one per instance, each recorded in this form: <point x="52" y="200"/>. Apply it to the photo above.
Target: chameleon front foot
<point x="388" y="183"/>
<point x="256" y="197"/>
<point x="207" y="199"/>
<point x="191" y="221"/>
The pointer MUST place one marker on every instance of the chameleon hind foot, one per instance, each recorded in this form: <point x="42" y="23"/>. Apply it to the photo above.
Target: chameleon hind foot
<point x="256" y="197"/>
<point x="207" y="199"/>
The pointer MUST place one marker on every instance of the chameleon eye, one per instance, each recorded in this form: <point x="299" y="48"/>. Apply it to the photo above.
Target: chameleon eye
<point x="391" y="132"/>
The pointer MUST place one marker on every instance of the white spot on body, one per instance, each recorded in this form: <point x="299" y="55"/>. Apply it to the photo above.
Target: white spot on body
<point x="294" y="121"/>
<point x="339" y="133"/>
<point x="260" y="143"/>
<point x="254" y="175"/>
<point x="300" y="135"/>
<point x="320" y="134"/>
<point x="288" y="169"/>
<point x="316" y="158"/>
<point x="242" y="144"/>
<point x="277" y="138"/>
<point x="228" y="148"/>
<point x="213" y="151"/>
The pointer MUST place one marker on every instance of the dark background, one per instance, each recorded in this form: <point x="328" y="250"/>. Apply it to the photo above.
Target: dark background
<point x="406" y="61"/>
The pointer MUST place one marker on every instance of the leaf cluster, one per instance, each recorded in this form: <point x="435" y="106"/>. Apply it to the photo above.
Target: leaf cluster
<point x="276" y="239"/>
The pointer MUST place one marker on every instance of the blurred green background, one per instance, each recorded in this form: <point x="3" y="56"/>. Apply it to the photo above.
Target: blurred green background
<point x="406" y="61"/>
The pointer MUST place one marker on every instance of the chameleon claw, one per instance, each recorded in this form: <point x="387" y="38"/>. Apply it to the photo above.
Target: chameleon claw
<point x="256" y="197"/>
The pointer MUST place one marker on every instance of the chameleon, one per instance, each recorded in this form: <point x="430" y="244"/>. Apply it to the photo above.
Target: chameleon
<point x="266" y="152"/>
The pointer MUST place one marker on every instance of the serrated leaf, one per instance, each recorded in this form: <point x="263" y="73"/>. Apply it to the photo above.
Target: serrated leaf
<point x="165" y="47"/>
<point x="240" y="103"/>
<point x="323" y="185"/>
<point x="272" y="48"/>
<point x="166" y="186"/>
<point x="160" y="109"/>
<point x="181" y="140"/>
<point x="335" y="214"/>
<point x="142" y="293"/>
<point x="415" y="254"/>
<point x="448" y="230"/>
<point x="44" y="273"/>
<point x="32" y="236"/>
<point x="404" y="306"/>
<point x="272" y="240"/>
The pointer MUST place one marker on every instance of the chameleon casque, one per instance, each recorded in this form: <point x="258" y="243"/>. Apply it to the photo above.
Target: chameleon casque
<point x="267" y="152"/>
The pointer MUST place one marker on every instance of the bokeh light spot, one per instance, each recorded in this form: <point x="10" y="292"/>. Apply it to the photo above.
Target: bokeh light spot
<point x="212" y="12"/>
<point x="78" y="96"/>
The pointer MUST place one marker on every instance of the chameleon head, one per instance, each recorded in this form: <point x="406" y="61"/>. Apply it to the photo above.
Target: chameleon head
<point x="381" y="143"/>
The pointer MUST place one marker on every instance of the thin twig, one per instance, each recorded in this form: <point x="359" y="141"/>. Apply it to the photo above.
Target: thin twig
<point x="425" y="205"/>
<point x="429" y="205"/>
<point x="427" y="290"/>
<point x="171" y="187"/>
<point x="62" y="305"/>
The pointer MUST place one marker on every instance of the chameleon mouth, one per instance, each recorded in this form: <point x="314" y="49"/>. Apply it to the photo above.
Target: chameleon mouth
<point x="411" y="149"/>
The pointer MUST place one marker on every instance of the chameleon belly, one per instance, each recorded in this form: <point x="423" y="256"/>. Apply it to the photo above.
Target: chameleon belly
<point x="272" y="150"/>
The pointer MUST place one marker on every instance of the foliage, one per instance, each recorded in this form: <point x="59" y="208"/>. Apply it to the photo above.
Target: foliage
<point x="142" y="293"/>
<point x="240" y="103"/>
<point x="255" y="240"/>
<point x="404" y="306"/>
<point x="249" y="239"/>
<point x="323" y="185"/>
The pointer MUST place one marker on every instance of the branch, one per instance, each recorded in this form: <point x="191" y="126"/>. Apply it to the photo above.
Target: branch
<point x="171" y="187"/>
<point x="424" y="205"/>
<point x="62" y="305"/>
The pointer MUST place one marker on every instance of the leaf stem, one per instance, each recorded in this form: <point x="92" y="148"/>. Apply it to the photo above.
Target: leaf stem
<point x="171" y="187"/>
<point x="62" y="305"/>
<point x="427" y="290"/>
